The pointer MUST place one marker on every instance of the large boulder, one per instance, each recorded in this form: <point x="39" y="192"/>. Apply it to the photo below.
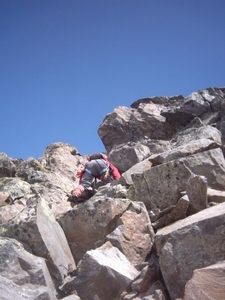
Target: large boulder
<point x="207" y="283"/>
<point x="38" y="230"/>
<point x="23" y="275"/>
<point x="161" y="186"/>
<point x="87" y="224"/>
<point x="103" y="273"/>
<point x="189" y="244"/>
<point x="133" y="235"/>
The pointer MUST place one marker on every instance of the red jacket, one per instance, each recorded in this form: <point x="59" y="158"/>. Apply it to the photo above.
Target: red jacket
<point x="115" y="172"/>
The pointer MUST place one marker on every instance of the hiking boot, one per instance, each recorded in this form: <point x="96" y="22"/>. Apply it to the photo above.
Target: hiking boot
<point x="73" y="199"/>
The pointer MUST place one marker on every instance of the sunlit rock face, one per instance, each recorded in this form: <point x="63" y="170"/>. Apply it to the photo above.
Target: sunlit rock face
<point x="155" y="233"/>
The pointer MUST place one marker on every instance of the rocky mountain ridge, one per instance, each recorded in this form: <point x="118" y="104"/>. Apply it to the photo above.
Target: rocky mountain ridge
<point x="156" y="233"/>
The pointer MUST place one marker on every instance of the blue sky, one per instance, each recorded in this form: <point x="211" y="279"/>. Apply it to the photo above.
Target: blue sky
<point x="65" y="64"/>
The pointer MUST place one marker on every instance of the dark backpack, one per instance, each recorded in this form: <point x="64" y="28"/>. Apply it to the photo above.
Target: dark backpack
<point x="95" y="156"/>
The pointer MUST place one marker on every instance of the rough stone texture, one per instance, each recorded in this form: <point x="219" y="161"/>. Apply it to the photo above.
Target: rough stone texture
<point x="103" y="273"/>
<point x="197" y="194"/>
<point x="3" y="198"/>
<point x="125" y="125"/>
<point x="173" y="214"/>
<point x="196" y="131"/>
<point x="16" y="187"/>
<point x="16" y="193"/>
<point x="207" y="283"/>
<point x="133" y="235"/>
<point x="126" y="155"/>
<point x="7" y="166"/>
<point x="210" y="164"/>
<point x="126" y="177"/>
<point x="195" y="105"/>
<point x="215" y="195"/>
<point x="161" y="186"/>
<point x="88" y="224"/>
<point x="189" y="244"/>
<point x="166" y="146"/>
<point x="183" y="151"/>
<point x="37" y="229"/>
<point x="23" y="275"/>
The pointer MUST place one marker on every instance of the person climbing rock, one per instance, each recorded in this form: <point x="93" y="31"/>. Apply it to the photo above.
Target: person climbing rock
<point x="97" y="167"/>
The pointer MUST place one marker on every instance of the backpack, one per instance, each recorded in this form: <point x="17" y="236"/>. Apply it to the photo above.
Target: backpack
<point x="96" y="156"/>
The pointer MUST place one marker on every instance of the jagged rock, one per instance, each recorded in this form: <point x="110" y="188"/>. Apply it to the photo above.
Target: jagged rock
<point x="183" y="151"/>
<point x="207" y="283"/>
<point x="16" y="187"/>
<point x="4" y="196"/>
<point x="129" y="154"/>
<point x="37" y="229"/>
<point x="196" y="131"/>
<point x="189" y="244"/>
<point x="16" y="192"/>
<point x="147" y="277"/>
<point x="162" y="100"/>
<point x="210" y="164"/>
<point x="215" y="195"/>
<point x="195" y="105"/>
<point x="161" y="186"/>
<point x="126" y="177"/>
<point x="161" y="143"/>
<point x="87" y="224"/>
<point x="103" y="273"/>
<point x="23" y="275"/>
<point x="197" y="194"/>
<point x="175" y="213"/>
<point x="7" y="166"/>
<point x="63" y="159"/>
<point x="125" y="125"/>
<point x="156" y="291"/>
<point x="133" y="235"/>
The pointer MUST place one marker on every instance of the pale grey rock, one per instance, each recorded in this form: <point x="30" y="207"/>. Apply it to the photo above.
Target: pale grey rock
<point x="195" y="105"/>
<point x="207" y="283"/>
<point x="126" y="177"/>
<point x="38" y="230"/>
<point x="7" y="165"/>
<point x="190" y="148"/>
<point x="189" y="244"/>
<point x="160" y="186"/>
<point x="103" y="273"/>
<point x="126" y="155"/>
<point x="4" y="196"/>
<point x="87" y="224"/>
<point x="197" y="194"/>
<point x="196" y="132"/>
<point x="134" y="234"/>
<point x="172" y="213"/>
<point x="23" y="275"/>
<point x="15" y="187"/>
<point x="210" y="164"/>
<point x="114" y="128"/>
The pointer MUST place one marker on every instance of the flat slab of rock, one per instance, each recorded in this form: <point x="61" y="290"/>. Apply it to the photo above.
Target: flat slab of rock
<point x="207" y="283"/>
<point x="190" y="244"/>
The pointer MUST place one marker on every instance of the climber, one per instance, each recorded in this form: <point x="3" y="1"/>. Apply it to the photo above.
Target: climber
<point x="97" y="167"/>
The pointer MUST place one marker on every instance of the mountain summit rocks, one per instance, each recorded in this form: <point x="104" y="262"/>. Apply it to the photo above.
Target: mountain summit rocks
<point x="156" y="233"/>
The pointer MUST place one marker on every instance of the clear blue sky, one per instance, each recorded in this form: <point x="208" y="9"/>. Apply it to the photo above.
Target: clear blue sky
<point x="65" y="64"/>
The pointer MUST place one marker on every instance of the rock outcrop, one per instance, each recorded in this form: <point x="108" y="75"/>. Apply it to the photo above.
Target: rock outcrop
<point x="156" y="233"/>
